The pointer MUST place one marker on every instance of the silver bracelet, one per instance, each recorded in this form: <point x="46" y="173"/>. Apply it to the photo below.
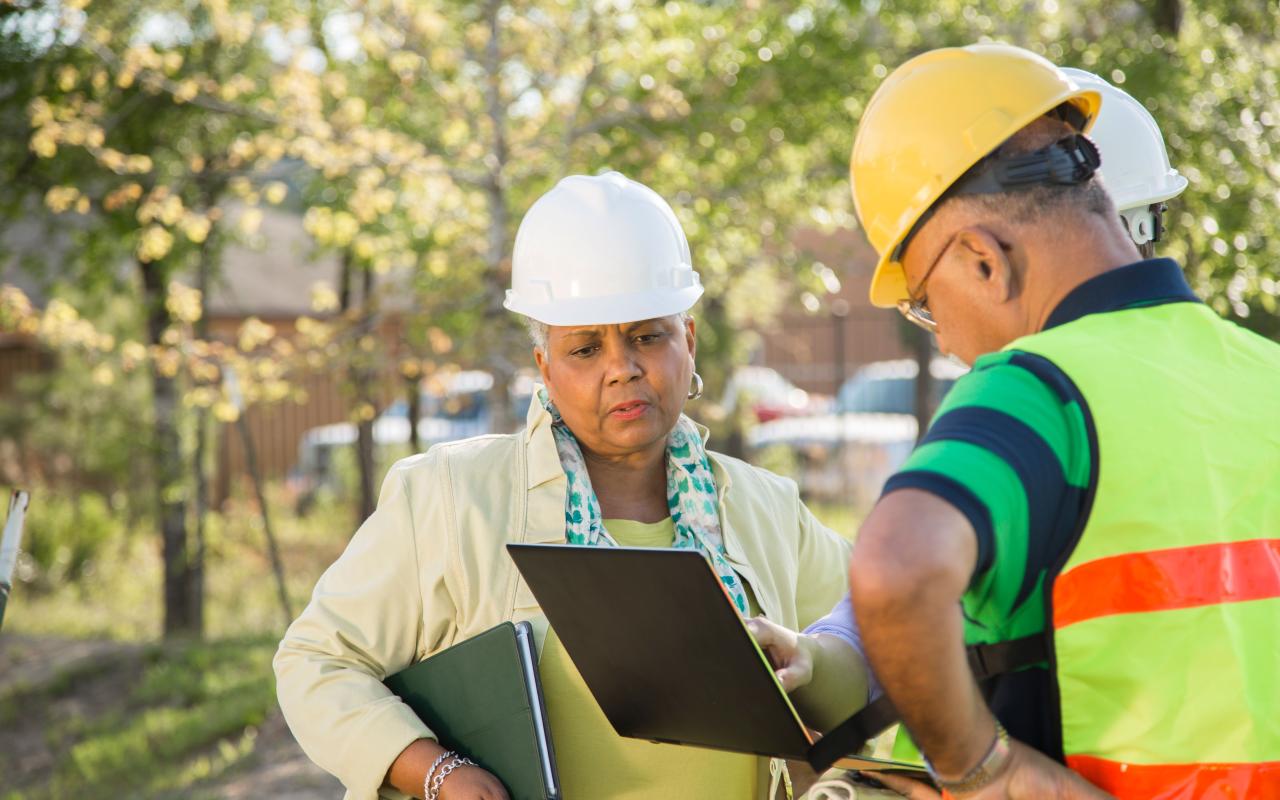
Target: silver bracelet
<point x="433" y="791"/>
<point x="426" y="782"/>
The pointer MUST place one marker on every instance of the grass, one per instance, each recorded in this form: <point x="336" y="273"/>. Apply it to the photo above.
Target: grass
<point x="168" y="719"/>
<point x="160" y="719"/>
<point x="198" y="695"/>
<point x="157" y="721"/>
<point x="842" y="519"/>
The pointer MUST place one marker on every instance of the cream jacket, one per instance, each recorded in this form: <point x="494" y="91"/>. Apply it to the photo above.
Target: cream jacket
<point x="428" y="569"/>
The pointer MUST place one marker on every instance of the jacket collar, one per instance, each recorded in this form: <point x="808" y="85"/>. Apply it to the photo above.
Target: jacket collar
<point x="540" y="445"/>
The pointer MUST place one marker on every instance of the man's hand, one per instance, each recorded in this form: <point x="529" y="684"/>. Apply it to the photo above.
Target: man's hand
<point x="788" y="651"/>
<point x="1030" y="775"/>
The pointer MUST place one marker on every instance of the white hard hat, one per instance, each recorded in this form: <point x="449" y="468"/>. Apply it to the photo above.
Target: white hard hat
<point x="1135" y="164"/>
<point x="601" y="250"/>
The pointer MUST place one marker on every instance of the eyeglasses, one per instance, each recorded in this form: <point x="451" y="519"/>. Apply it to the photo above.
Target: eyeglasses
<point x="917" y="311"/>
<point x="1070" y="161"/>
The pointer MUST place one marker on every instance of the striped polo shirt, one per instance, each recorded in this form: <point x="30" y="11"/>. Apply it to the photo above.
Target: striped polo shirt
<point x="1010" y="449"/>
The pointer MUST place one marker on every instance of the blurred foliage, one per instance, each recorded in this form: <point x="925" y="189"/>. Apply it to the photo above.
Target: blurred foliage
<point x="414" y="134"/>
<point x="116" y="596"/>
<point x="781" y="460"/>
<point x="409" y="136"/>
<point x="63" y="539"/>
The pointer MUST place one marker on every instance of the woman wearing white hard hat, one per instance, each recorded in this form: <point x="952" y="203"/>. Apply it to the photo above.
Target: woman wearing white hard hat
<point x="601" y="271"/>
<point x="1135" y="164"/>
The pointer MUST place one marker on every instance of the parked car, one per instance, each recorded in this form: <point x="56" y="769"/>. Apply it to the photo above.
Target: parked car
<point x="847" y="455"/>
<point x="453" y="406"/>
<point x="769" y="395"/>
<point x="889" y="387"/>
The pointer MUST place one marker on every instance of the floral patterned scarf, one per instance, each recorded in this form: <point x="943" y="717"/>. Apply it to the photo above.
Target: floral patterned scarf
<point x="691" y="497"/>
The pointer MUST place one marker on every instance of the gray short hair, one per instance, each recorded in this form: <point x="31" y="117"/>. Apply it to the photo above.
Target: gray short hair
<point x="1032" y="205"/>
<point x="538" y="330"/>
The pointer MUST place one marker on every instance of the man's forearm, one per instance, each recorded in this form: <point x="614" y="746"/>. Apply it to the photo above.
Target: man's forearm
<point x="919" y="656"/>
<point x="911" y="566"/>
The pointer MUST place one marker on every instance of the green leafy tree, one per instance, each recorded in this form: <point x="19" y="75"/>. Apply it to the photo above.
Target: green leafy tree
<point x="139" y="121"/>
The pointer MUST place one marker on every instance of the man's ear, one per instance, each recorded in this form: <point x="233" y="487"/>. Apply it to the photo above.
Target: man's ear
<point x="987" y="264"/>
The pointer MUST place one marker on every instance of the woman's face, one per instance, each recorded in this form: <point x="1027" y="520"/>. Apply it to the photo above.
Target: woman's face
<point x="619" y="388"/>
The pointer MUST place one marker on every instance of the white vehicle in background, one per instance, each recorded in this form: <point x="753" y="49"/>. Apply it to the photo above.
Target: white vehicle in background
<point x="769" y="395"/>
<point x="846" y="456"/>
<point x="452" y="406"/>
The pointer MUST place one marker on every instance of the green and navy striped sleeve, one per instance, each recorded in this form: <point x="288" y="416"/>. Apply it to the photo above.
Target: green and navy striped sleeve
<point x="1008" y="448"/>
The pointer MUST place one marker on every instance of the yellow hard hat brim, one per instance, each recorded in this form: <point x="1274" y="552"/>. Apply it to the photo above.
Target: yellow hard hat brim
<point x="889" y="282"/>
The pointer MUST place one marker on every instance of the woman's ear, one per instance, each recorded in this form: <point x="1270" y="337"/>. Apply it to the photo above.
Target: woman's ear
<point x="691" y="336"/>
<point x="543" y="364"/>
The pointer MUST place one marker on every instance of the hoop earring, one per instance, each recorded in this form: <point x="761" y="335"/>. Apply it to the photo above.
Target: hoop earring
<point x="697" y="391"/>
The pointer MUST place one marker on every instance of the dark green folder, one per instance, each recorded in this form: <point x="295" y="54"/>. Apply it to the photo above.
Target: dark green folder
<point x="483" y="698"/>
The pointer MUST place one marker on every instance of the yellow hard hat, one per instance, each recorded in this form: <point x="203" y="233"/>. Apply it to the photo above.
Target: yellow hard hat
<point x="930" y="121"/>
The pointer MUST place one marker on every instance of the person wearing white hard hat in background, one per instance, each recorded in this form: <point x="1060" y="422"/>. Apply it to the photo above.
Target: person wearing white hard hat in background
<point x="1052" y="612"/>
<point x="1135" y="165"/>
<point x="601" y="271"/>
<point x="1136" y="172"/>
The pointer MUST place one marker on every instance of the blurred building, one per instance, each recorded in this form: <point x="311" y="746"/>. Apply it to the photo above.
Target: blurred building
<point x="818" y="350"/>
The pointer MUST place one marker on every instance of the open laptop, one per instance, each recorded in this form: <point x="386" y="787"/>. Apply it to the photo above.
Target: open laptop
<point x="661" y="647"/>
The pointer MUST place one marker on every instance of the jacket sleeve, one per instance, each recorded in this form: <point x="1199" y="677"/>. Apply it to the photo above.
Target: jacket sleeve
<point x="823" y="575"/>
<point x="368" y="619"/>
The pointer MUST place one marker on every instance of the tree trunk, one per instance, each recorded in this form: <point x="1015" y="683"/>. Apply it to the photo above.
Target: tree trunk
<point x="204" y="270"/>
<point x="273" y="549"/>
<point x="182" y="616"/>
<point x="1167" y="16"/>
<point x="364" y="376"/>
<point x="502" y="418"/>
<point x="413" y="397"/>
<point x="923" y="346"/>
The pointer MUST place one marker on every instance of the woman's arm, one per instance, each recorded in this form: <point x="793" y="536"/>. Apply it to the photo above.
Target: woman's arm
<point x="825" y="676"/>
<point x="408" y="773"/>
<point x="367" y="619"/>
<point x="822" y="557"/>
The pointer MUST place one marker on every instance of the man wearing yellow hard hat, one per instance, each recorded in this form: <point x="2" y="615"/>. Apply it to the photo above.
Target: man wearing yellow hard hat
<point x="1095" y="510"/>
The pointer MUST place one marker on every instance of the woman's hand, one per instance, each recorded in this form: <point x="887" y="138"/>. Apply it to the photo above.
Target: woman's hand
<point x="472" y="783"/>
<point x="789" y="652"/>
<point x="1030" y="775"/>
<point x="464" y="782"/>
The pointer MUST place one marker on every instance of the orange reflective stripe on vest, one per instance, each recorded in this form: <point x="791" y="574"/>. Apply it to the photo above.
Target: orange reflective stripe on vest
<point x="1219" y="781"/>
<point x="1159" y="580"/>
<point x="1166" y="613"/>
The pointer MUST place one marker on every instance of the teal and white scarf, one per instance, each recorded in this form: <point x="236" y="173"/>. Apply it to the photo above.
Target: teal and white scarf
<point x="691" y="497"/>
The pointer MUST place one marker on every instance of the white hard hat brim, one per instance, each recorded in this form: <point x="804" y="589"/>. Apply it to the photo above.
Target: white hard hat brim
<point x="607" y="310"/>
<point x="1127" y="197"/>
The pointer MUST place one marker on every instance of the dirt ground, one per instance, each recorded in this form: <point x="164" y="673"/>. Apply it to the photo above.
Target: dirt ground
<point x="30" y="665"/>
